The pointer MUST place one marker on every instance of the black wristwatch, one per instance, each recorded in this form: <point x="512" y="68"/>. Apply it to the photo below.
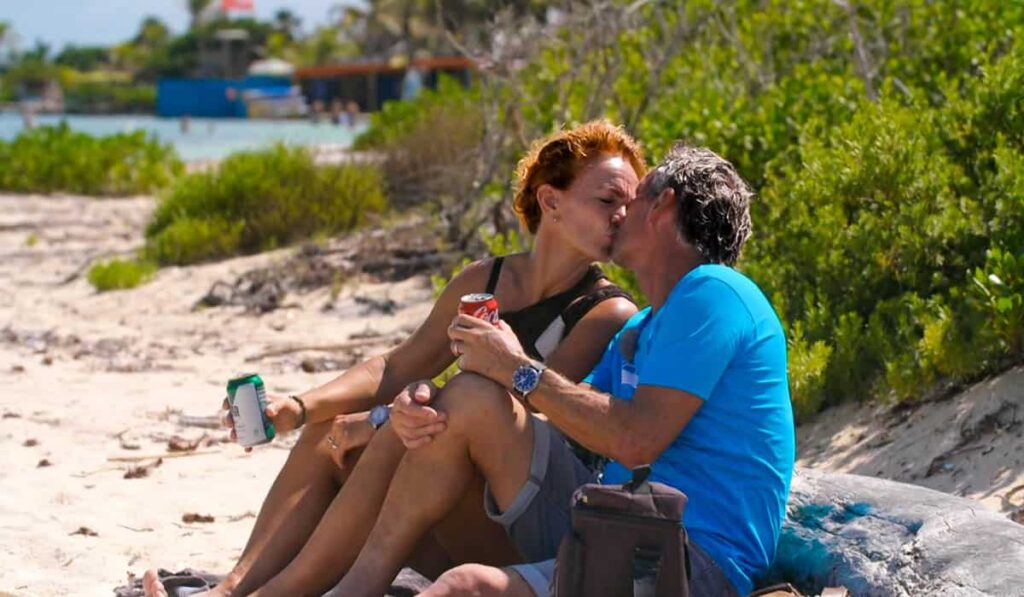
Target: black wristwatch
<point x="379" y="415"/>
<point x="526" y="378"/>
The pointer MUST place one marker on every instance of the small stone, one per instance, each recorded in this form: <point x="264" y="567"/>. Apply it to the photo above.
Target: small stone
<point x="44" y="463"/>
<point x="47" y="360"/>
<point x="85" y="531"/>
<point x="31" y="442"/>
<point x="190" y="517"/>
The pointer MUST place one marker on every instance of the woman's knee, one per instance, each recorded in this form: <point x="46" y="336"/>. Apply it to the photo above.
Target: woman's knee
<point x="469" y="398"/>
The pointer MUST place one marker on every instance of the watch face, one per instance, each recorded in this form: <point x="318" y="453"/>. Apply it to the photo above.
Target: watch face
<point x="379" y="415"/>
<point x="525" y="379"/>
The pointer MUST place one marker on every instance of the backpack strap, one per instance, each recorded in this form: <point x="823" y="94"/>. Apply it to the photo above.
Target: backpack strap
<point x="492" y="282"/>
<point x="575" y="311"/>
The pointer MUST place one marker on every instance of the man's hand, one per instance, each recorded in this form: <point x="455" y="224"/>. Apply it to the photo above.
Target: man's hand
<point x="348" y="432"/>
<point x="414" y="422"/>
<point x="284" y="412"/>
<point x="493" y="351"/>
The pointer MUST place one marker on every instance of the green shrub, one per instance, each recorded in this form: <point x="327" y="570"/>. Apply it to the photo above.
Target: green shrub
<point x="118" y="274"/>
<point x="255" y="201"/>
<point x="51" y="159"/>
<point x="1000" y="287"/>
<point x="111" y="97"/>
<point x="883" y="195"/>
<point x="427" y="144"/>
<point x="888" y="164"/>
<point x="807" y="365"/>
<point x="193" y="240"/>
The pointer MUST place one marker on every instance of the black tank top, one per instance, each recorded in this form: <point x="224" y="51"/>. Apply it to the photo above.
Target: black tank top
<point x="542" y="326"/>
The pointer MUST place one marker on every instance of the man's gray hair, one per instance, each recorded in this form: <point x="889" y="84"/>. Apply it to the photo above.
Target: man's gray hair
<point x="713" y="201"/>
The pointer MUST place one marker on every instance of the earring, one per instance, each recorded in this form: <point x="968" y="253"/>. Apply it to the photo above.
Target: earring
<point x="556" y="218"/>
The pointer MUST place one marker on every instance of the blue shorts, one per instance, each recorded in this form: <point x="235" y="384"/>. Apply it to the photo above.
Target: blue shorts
<point x="540" y="516"/>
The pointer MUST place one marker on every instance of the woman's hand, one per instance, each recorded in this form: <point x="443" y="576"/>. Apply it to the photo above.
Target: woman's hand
<point x="414" y="422"/>
<point x="348" y="432"/>
<point x="489" y="350"/>
<point x="283" y="412"/>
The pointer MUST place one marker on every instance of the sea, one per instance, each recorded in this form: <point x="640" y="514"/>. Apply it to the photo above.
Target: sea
<point x="203" y="138"/>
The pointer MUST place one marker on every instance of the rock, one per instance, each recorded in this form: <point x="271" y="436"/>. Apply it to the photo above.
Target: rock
<point x="878" y="537"/>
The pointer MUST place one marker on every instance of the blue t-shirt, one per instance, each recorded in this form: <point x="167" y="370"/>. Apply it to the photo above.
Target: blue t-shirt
<point x="716" y="337"/>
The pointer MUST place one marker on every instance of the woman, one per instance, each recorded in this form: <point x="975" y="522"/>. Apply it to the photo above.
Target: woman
<point x="571" y="190"/>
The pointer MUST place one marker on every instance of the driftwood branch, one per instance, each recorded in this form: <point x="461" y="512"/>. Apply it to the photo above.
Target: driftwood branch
<point x="141" y="457"/>
<point x="276" y="352"/>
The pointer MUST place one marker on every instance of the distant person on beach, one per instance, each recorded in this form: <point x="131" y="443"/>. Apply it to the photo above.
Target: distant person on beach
<point x="695" y="385"/>
<point x="352" y="109"/>
<point x="572" y="188"/>
<point x="27" y="117"/>
<point x="336" y="111"/>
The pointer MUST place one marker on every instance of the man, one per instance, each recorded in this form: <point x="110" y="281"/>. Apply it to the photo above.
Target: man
<point x="695" y="384"/>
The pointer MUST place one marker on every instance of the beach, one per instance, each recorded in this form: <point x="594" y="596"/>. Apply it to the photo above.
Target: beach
<point x="109" y="455"/>
<point x="90" y="378"/>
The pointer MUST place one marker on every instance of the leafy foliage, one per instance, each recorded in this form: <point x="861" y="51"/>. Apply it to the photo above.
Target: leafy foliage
<point x="118" y="274"/>
<point x="57" y="159"/>
<point x="885" y="140"/>
<point x="254" y="201"/>
<point x="426" y="143"/>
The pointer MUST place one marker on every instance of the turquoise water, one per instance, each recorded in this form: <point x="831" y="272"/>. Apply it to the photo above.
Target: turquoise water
<point x="207" y="138"/>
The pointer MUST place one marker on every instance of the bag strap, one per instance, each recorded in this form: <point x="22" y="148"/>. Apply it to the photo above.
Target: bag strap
<point x="492" y="281"/>
<point x="639" y="484"/>
<point x="646" y="571"/>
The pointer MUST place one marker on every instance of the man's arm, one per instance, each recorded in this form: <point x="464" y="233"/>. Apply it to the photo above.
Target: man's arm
<point x="633" y="432"/>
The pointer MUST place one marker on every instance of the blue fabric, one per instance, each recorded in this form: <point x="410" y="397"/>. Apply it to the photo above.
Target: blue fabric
<point x="718" y="338"/>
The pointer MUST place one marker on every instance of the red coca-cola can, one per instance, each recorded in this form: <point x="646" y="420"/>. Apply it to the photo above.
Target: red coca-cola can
<point x="481" y="305"/>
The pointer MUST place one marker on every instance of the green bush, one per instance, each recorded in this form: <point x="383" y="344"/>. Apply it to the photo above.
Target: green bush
<point x="427" y="144"/>
<point x="255" y="201"/>
<point x="51" y="159"/>
<point x="886" y="146"/>
<point x="111" y="97"/>
<point x="118" y="274"/>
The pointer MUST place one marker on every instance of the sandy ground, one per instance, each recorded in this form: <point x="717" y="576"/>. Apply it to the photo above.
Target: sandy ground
<point x="88" y="378"/>
<point x="971" y="445"/>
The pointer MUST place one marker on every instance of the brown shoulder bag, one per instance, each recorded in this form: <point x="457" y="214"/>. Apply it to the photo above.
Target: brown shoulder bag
<point x="625" y="540"/>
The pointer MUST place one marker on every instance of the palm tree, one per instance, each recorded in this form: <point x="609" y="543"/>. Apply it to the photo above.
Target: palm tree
<point x="287" y="22"/>
<point x="8" y="43"/>
<point x="196" y="8"/>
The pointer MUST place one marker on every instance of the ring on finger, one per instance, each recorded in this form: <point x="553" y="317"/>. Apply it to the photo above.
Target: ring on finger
<point x="330" y="442"/>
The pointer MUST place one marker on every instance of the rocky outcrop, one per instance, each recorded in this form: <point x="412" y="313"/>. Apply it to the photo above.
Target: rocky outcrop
<point x="878" y="537"/>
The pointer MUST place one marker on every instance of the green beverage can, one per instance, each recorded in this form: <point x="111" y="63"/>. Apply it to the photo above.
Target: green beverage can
<point x="248" y="401"/>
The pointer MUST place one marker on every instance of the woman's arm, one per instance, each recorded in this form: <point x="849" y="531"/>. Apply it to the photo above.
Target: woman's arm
<point x="578" y="352"/>
<point x="423" y="355"/>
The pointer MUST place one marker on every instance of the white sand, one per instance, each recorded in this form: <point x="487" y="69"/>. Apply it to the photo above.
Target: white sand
<point x="143" y="356"/>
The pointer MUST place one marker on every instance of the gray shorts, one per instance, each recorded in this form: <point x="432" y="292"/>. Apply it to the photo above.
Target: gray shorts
<point x="540" y="515"/>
